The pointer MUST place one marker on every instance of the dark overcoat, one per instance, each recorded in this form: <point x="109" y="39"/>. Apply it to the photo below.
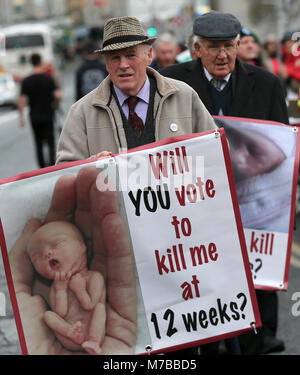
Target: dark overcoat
<point x="256" y="93"/>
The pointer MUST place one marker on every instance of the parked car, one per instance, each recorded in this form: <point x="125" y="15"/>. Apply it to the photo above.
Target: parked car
<point x="8" y="90"/>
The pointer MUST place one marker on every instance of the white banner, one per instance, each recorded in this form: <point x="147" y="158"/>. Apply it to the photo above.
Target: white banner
<point x="265" y="160"/>
<point x="266" y="256"/>
<point x="187" y="245"/>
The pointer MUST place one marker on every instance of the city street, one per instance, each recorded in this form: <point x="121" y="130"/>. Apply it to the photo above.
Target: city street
<point x="17" y="156"/>
<point x="17" y="147"/>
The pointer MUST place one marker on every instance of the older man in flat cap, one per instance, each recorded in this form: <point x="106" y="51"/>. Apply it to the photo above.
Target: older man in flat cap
<point x="224" y="84"/>
<point x="134" y="105"/>
<point x="229" y="87"/>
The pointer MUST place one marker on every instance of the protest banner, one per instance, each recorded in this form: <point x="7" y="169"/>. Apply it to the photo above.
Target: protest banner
<point x="265" y="162"/>
<point x="192" y="283"/>
<point x="188" y="241"/>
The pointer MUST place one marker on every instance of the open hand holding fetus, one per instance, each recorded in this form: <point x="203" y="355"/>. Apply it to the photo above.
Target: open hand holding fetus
<point x="100" y="311"/>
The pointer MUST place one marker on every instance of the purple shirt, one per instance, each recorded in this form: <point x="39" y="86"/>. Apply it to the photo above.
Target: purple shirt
<point x="142" y="105"/>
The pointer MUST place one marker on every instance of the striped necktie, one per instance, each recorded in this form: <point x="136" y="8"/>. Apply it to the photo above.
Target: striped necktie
<point x="217" y="83"/>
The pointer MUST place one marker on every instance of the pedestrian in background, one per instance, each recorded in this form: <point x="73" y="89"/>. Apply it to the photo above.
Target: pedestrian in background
<point x="43" y="96"/>
<point x="249" y="49"/>
<point x="271" y="58"/>
<point x="190" y="53"/>
<point x="91" y="72"/>
<point x="165" y="51"/>
<point x="229" y="87"/>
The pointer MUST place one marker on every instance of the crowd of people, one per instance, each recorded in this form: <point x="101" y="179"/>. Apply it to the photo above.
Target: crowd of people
<point x="280" y="56"/>
<point x="125" y="100"/>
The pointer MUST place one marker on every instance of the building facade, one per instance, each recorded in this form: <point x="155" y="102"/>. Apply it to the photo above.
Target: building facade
<point x="264" y="17"/>
<point x="95" y="12"/>
<point x="13" y="11"/>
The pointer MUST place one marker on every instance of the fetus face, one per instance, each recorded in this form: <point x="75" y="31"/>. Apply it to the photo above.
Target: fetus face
<point x="253" y="154"/>
<point x="57" y="250"/>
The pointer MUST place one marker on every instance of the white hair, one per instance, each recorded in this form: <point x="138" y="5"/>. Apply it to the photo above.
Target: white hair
<point x="190" y="42"/>
<point x="165" y="38"/>
<point x="147" y="47"/>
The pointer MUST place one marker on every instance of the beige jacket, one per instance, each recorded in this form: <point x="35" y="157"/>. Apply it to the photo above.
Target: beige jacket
<point x="94" y="123"/>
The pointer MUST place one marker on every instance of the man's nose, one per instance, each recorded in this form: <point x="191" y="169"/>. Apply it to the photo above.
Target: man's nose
<point x="222" y="54"/>
<point x="123" y="62"/>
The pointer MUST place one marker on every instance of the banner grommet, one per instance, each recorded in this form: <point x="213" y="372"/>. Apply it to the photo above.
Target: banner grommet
<point x="148" y="349"/>
<point x="253" y="325"/>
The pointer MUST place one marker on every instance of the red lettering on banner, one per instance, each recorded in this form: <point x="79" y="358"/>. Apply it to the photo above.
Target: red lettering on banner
<point x="188" y="290"/>
<point x="266" y="242"/>
<point x="201" y="254"/>
<point x="165" y="264"/>
<point x="191" y="191"/>
<point x="253" y="243"/>
<point x="179" y="162"/>
<point x="271" y="246"/>
<point x="174" y="259"/>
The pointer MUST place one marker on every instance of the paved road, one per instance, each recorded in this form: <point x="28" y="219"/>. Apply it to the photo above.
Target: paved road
<point x="17" y="156"/>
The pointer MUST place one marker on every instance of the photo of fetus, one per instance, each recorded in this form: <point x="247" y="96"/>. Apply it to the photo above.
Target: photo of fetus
<point x="77" y="295"/>
<point x="253" y="153"/>
<point x="262" y="157"/>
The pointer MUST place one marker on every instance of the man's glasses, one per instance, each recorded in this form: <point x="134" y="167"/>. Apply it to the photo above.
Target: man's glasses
<point x="215" y="51"/>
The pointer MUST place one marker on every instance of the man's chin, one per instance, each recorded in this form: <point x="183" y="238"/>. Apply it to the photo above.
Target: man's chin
<point x="221" y="71"/>
<point x="128" y="90"/>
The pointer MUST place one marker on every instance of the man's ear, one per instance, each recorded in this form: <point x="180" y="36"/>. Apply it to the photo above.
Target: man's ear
<point x="150" y="55"/>
<point x="197" y="47"/>
<point x="105" y="55"/>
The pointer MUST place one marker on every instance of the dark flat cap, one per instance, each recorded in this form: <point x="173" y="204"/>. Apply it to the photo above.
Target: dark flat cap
<point x="217" y="26"/>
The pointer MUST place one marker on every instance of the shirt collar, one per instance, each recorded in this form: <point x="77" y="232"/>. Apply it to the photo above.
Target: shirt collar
<point x="210" y="77"/>
<point x="143" y="94"/>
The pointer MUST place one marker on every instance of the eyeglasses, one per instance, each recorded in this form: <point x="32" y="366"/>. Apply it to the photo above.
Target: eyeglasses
<point x="215" y="51"/>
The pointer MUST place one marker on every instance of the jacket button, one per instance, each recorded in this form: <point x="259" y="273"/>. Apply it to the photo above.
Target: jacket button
<point x="174" y="127"/>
